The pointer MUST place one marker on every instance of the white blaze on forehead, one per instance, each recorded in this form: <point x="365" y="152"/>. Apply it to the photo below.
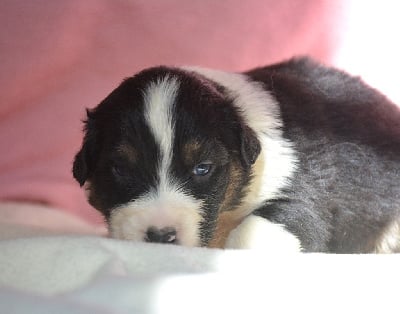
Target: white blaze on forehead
<point x="159" y="100"/>
<point x="166" y="205"/>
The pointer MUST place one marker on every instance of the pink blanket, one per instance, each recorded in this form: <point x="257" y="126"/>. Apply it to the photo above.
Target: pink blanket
<point x="59" y="57"/>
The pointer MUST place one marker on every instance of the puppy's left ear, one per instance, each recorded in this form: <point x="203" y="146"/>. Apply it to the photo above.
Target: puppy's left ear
<point x="79" y="169"/>
<point x="85" y="159"/>
<point x="250" y="146"/>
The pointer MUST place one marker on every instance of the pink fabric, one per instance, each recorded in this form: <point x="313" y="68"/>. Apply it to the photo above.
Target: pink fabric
<point x="59" y="57"/>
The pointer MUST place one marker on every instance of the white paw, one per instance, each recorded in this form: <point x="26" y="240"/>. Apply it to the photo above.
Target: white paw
<point x="260" y="234"/>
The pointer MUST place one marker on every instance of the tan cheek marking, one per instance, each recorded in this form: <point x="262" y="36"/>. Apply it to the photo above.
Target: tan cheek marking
<point x="128" y="151"/>
<point x="227" y="221"/>
<point x="235" y="174"/>
<point x="228" y="218"/>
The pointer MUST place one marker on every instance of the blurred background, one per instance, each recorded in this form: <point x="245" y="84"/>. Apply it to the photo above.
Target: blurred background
<point x="59" y="57"/>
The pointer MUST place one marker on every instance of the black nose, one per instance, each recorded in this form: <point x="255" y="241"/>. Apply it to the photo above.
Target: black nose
<point x="165" y="235"/>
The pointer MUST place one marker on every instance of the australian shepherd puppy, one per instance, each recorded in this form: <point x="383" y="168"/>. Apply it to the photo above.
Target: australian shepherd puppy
<point x="290" y="157"/>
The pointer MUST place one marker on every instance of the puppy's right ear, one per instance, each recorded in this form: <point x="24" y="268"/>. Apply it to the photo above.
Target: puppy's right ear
<point x="250" y="146"/>
<point x="84" y="159"/>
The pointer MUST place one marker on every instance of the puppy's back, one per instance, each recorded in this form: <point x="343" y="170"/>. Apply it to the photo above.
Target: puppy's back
<point x="345" y="195"/>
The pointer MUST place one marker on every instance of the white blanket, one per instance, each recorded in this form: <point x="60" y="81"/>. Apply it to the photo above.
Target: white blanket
<point x="92" y="274"/>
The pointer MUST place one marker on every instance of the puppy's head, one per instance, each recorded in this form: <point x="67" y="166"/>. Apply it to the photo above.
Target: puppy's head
<point x="163" y="155"/>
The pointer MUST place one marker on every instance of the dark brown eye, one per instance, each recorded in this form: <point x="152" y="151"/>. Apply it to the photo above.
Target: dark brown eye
<point x="118" y="170"/>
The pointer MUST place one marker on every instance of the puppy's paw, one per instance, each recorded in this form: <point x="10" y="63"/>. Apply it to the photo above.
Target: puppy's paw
<point x="258" y="233"/>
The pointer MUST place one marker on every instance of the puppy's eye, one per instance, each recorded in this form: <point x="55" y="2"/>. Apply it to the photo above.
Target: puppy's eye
<point x="118" y="170"/>
<point x="202" y="169"/>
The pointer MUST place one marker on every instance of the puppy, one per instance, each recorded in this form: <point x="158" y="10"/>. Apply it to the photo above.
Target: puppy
<point x="290" y="157"/>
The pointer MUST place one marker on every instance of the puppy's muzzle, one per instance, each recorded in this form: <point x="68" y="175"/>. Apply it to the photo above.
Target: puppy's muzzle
<point x="164" y="235"/>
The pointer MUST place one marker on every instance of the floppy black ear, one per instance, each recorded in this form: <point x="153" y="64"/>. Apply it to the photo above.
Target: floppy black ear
<point x="250" y="146"/>
<point x="79" y="169"/>
<point x="84" y="159"/>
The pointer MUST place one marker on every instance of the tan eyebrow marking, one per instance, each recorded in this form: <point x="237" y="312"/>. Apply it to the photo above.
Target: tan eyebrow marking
<point x="191" y="151"/>
<point x="128" y="151"/>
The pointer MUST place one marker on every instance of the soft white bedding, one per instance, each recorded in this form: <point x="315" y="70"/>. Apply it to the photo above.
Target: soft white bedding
<point x="92" y="274"/>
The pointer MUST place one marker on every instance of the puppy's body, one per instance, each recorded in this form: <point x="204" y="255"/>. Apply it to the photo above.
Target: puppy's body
<point x="344" y="196"/>
<point x="282" y="157"/>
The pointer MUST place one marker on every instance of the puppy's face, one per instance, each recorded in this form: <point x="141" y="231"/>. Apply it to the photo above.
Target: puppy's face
<point x="163" y="155"/>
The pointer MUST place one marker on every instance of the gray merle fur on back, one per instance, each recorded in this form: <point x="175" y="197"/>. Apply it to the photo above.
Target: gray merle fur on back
<point x="346" y="191"/>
